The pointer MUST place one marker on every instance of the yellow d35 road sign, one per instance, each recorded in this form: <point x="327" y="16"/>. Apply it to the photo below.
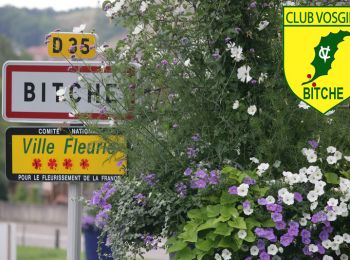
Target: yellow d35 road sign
<point x="62" y="154"/>
<point x="65" y="44"/>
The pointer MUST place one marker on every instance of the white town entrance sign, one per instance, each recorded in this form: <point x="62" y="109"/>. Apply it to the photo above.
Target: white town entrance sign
<point x="30" y="91"/>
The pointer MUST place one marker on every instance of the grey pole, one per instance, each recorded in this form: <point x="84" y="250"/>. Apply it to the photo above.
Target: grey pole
<point x="74" y="219"/>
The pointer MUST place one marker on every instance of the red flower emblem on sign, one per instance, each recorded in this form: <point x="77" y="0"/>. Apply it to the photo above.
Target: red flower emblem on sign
<point x="37" y="164"/>
<point x="52" y="163"/>
<point x="84" y="163"/>
<point x="67" y="163"/>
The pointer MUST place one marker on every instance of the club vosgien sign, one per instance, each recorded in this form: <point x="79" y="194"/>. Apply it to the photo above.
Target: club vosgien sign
<point x="316" y="54"/>
<point x="62" y="154"/>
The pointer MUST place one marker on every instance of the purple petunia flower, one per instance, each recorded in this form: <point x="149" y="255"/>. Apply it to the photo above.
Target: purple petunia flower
<point x="319" y="217"/>
<point x="249" y="181"/>
<point x="188" y="172"/>
<point x="298" y="197"/>
<point x="324" y="235"/>
<point x="305" y="233"/>
<point x="321" y="249"/>
<point x="150" y="179"/>
<point x="201" y="174"/>
<point x="262" y="201"/>
<point x="164" y="62"/>
<point x="313" y="143"/>
<point x="280" y="225"/>
<point x="252" y="5"/>
<point x="214" y="177"/>
<point x="140" y="199"/>
<point x="264" y="256"/>
<point x="192" y="152"/>
<point x="286" y="239"/>
<point x="306" y="250"/>
<point x="306" y="240"/>
<point x="233" y="190"/>
<point x="181" y="189"/>
<point x="196" y="137"/>
<point x="198" y="184"/>
<point x="246" y="204"/>
<point x="101" y="218"/>
<point x="265" y="233"/>
<point x="260" y="245"/>
<point x="276" y="217"/>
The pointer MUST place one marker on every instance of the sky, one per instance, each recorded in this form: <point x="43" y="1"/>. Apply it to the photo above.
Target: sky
<point x="58" y="5"/>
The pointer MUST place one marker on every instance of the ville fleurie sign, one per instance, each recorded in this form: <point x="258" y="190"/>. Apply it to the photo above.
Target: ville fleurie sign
<point x="30" y="91"/>
<point x="62" y="154"/>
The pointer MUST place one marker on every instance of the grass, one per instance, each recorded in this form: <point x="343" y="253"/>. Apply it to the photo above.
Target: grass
<point x="37" y="253"/>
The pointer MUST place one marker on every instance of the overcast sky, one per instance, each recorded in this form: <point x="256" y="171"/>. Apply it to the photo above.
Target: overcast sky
<point x="58" y="5"/>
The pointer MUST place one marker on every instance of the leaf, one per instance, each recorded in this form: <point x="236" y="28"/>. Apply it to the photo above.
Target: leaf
<point x="184" y="254"/>
<point x="196" y="214"/>
<point x="227" y="198"/>
<point x="251" y="222"/>
<point x="229" y="211"/>
<point x="223" y="229"/>
<point x="268" y="223"/>
<point x="238" y="223"/>
<point x="189" y="236"/>
<point x="213" y="210"/>
<point x="332" y="178"/>
<point x="211" y="223"/>
<point x="323" y="59"/>
<point x="176" y="246"/>
<point x="250" y="237"/>
<point x="204" y="245"/>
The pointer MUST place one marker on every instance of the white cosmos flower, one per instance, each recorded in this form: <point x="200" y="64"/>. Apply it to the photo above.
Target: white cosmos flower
<point x="79" y="29"/>
<point x="187" y="63"/>
<point x="254" y="160"/>
<point x="217" y="257"/>
<point x="179" y="10"/>
<point x="277" y="164"/>
<point x="226" y="255"/>
<point x="331" y="159"/>
<point x="303" y="105"/>
<point x="332" y="202"/>
<point x="242" y="234"/>
<point x="252" y="110"/>
<point x="263" y="25"/>
<point x="138" y="29"/>
<point x="262" y="168"/>
<point x="312" y="196"/>
<point x="143" y="7"/>
<point x="235" y="105"/>
<point x="262" y="77"/>
<point x="331" y="149"/>
<point x="242" y="190"/>
<point x="115" y="9"/>
<point x="237" y="53"/>
<point x="243" y="73"/>
<point x="347" y="158"/>
<point x="254" y="250"/>
<point x="272" y="249"/>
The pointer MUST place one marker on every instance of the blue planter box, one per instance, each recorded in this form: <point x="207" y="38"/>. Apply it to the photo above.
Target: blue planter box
<point x="91" y="245"/>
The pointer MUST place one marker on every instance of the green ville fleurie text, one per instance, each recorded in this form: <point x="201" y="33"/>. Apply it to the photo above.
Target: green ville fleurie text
<point x="71" y="145"/>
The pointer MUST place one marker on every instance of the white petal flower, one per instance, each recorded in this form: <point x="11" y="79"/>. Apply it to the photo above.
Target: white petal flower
<point x="272" y="249"/>
<point x="288" y="198"/>
<point x="243" y="73"/>
<point x="338" y="155"/>
<point x="79" y="29"/>
<point x="242" y="190"/>
<point x="217" y="257"/>
<point x="331" y="149"/>
<point x="331" y="159"/>
<point x="344" y="257"/>
<point x="303" y="105"/>
<point x="332" y="202"/>
<point x="313" y="205"/>
<point x="237" y="53"/>
<point x="187" y="63"/>
<point x="262" y="168"/>
<point x="263" y="25"/>
<point x="312" y="196"/>
<point x="179" y="10"/>
<point x="254" y="250"/>
<point x="327" y="257"/>
<point x="226" y="255"/>
<point x="338" y="239"/>
<point x="262" y="77"/>
<point x="248" y="211"/>
<point x="242" y="234"/>
<point x="326" y="243"/>
<point x="282" y="192"/>
<point x="270" y="200"/>
<point x="235" y="105"/>
<point x="311" y="158"/>
<point x="313" y="248"/>
<point x="144" y="6"/>
<point x="288" y="3"/>
<point x="303" y="222"/>
<point x="138" y="29"/>
<point x="115" y="9"/>
<point x="254" y="160"/>
<point x="252" y="110"/>
<point x="346" y="237"/>
<point x="331" y="216"/>
<point x="277" y="164"/>
<point x="331" y="112"/>
<point x="347" y="158"/>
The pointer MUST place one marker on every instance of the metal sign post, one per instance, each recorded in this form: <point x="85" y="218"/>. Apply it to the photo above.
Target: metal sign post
<point x="74" y="219"/>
